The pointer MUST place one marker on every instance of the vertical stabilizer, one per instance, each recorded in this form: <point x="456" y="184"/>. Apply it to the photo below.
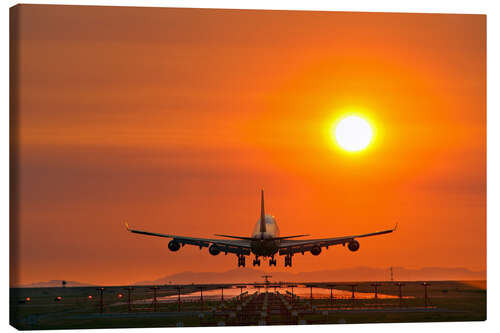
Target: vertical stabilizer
<point x="262" y="213"/>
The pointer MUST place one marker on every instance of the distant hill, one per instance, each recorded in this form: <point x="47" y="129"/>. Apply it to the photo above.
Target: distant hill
<point x="248" y="275"/>
<point x="348" y="274"/>
<point x="54" y="283"/>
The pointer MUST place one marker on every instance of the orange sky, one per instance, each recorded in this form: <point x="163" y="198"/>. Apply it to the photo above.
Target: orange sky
<point x="173" y="119"/>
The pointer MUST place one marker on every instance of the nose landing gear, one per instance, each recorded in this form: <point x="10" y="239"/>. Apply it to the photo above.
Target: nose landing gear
<point x="288" y="260"/>
<point x="241" y="260"/>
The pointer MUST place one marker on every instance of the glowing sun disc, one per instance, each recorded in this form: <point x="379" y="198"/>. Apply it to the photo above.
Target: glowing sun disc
<point x="353" y="133"/>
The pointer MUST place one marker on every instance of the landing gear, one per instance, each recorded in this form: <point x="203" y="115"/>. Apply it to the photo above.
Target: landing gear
<point x="288" y="260"/>
<point x="241" y="260"/>
<point x="256" y="262"/>
<point x="272" y="262"/>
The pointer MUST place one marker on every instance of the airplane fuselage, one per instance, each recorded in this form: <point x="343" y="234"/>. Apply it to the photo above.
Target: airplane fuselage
<point x="264" y="244"/>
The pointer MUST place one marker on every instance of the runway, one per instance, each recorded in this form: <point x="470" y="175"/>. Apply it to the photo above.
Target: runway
<point x="243" y="304"/>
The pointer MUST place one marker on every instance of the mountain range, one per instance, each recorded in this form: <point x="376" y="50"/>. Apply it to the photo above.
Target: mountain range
<point x="55" y="283"/>
<point x="247" y="275"/>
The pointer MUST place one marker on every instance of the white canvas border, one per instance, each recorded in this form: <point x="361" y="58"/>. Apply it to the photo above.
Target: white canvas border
<point x="424" y="6"/>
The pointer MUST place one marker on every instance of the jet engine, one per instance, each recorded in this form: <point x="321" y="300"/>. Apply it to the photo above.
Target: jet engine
<point x="174" y="245"/>
<point x="353" y="245"/>
<point x="214" y="250"/>
<point x="315" y="250"/>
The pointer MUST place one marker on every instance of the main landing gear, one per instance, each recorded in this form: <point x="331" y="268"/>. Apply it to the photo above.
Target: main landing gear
<point x="288" y="260"/>
<point x="256" y="261"/>
<point x="272" y="261"/>
<point x="241" y="260"/>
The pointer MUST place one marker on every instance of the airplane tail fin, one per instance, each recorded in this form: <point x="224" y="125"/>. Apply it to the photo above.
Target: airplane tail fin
<point x="262" y="213"/>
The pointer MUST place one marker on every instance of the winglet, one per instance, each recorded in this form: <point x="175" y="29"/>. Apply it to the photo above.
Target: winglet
<point x="395" y="227"/>
<point x="127" y="226"/>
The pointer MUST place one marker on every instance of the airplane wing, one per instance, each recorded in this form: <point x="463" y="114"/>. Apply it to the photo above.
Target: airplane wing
<point x="301" y="246"/>
<point x="224" y="245"/>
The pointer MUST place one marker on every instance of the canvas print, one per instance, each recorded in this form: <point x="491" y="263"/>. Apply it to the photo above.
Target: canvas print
<point x="222" y="167"/>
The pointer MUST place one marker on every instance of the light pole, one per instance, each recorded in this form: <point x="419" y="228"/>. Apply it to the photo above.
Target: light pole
<point x="311" y="293"/>
<point x="129" y="299"/>
<point x="376" y="285"/>
<point x="292" y="286"/>
<point x="201" y="296"/>
<point x="241" y="291"/>
<point x="400" y="287"/>
<point x="425" y="284"/>
<point x="222" y="294"/>
<point x="155" y="299"/>
<point x="331" y="286"/>
<point x="101" y="301"/>
<point x="353" y="296"/>
<point x="179" y="288"/>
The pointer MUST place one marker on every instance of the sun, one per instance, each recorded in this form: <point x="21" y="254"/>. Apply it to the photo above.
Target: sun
<point x="353" y="133"/>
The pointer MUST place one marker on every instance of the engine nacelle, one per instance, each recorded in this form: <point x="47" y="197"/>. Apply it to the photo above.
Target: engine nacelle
<point x="353" y="245"/>
<point x="174" y="245"/>
<point x="316" y="250"/>
<point x="214" y="250"/>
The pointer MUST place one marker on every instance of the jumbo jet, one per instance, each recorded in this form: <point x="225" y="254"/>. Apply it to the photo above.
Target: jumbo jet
<point x="265" y="242"/>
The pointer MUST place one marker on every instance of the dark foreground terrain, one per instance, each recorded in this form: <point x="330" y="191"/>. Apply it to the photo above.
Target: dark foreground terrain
<point x="83" y="307"/>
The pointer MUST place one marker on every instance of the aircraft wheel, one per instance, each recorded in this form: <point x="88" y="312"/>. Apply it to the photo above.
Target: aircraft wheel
<point x="241" y="261"/>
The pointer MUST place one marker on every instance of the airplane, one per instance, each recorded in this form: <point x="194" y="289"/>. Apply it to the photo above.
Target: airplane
<point x="264" y="241"/>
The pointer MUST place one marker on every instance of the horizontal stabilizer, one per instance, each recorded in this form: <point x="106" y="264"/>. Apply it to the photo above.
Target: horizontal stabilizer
<point x="287" y="237"/>
<point x="236" y="237"/>
<point x="257" y="238"/>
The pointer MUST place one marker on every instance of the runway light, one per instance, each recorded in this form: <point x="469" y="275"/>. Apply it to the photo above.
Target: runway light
<point x="90" y="296"/>
<point x="120" y="295"/>
<point x="28" y="299"/>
